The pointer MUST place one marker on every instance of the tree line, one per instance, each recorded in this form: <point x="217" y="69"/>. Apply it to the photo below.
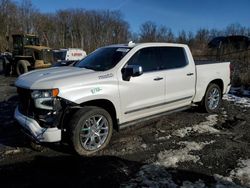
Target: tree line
<point x="65" y="28"/>
<point x="88" y="29"/>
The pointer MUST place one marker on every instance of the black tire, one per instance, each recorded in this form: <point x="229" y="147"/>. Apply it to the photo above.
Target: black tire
<point x="7" y="68"/>
<point x="21" y="67"/>
<point x="1" y="65"/>
<point x="36" y="146"/>
<point x="205" y="102"/>
<point x="79" y="119"/>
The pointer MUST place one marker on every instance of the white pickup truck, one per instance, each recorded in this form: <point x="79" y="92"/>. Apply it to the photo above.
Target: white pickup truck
<point x="114" y="87"/>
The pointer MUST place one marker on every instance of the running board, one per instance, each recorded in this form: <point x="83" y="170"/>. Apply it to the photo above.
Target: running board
<point x="130" y="123"/>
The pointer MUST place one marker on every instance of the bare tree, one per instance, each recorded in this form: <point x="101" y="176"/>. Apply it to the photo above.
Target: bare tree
<point x="148" y="32"/>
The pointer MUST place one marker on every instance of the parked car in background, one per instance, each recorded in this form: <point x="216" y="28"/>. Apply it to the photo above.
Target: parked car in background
<point x="27" y="55"/>
<point x="5" y="63"/>
<point x="65" y="57"/>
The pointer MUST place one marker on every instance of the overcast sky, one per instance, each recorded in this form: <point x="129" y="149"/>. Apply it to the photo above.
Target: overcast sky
<point x="188" y="15"/>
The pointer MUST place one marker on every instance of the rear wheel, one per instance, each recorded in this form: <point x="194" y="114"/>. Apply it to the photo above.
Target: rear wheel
<point x="36" y="146"/>
<point x="21" y="67"/>
<point x="91" y="130"/>
<point x="212" y="99"/>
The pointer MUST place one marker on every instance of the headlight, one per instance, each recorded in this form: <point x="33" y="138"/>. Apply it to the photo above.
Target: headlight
<point x="44" y="93"/>
<point x="44" y="99"/>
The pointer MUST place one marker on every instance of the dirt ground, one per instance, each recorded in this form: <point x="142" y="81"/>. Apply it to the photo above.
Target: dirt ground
<point x="185" y="149"/>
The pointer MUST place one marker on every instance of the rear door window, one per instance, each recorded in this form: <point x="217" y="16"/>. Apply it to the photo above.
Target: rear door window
<point x="148" y="58"/>
<point x="172" y="57"/>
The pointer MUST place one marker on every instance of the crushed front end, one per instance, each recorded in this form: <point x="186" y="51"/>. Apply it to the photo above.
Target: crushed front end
<point x="39" y="112"/>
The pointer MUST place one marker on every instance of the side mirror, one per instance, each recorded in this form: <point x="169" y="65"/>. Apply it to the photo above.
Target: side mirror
<point x="131" y="71"/>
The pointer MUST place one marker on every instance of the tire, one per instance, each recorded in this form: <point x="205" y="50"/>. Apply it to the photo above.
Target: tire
<point x="2" y="65"/>
<point x="21" y="67"/>
<point x="89" y="141"/>
<point x="36" y="146"/>
<point x="5" y="66"/>
<point x="212" y="99"/>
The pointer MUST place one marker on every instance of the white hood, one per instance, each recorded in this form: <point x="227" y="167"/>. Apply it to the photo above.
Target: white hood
<point x="51" y="78"/>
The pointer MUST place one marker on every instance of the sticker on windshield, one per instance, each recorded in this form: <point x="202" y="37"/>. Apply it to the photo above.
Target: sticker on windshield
<point x="123" y="50"/>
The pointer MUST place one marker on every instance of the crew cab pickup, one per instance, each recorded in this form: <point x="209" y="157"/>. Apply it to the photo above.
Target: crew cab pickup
<point x="114" y="87"/>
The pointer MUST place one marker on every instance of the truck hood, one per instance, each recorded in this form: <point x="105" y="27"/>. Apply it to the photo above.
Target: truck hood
<point x="51" y="78"/>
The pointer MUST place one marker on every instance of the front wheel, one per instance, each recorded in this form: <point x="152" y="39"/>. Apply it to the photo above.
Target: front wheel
<point x="91" y="130"/>
<point x="21" y="67"/>
<point x="212" y="99"/>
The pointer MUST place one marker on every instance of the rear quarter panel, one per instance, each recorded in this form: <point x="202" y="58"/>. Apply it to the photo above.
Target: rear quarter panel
<point x="207" y="73"/>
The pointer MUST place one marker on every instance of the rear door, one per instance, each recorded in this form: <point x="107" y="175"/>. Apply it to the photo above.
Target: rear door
<point x="180" y="76"/>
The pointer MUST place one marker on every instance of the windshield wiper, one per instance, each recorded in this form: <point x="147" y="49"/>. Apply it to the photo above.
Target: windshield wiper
<point x="89" y="67"/>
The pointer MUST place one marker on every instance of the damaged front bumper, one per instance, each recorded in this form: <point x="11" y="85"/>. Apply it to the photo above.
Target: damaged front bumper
<point x="39" y="133"/>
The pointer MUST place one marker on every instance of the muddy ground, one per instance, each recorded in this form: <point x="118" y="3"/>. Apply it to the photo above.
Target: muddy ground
<point x="188" y="149"/>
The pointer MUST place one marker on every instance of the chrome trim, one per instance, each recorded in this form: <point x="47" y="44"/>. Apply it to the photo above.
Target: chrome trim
<point x="39" y="133"/>
<point x="128" y="124"/>
<point x="156" y="105"/>
<point x="94" y="132"/>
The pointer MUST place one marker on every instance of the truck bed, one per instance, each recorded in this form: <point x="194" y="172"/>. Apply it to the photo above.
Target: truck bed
<point x="204" y="62"/>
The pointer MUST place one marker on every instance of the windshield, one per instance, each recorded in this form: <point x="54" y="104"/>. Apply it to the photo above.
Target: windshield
<point x="47" y="56"/>
<point x="31" y="41"/>
<point x="103" y="58"/>
<point x="59" y="55"/>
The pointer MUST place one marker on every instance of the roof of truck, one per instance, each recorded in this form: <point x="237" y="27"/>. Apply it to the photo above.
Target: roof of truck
<point x="37" y="47"/>
<point x="147" y="44"/>
<point x="28" y="35"/>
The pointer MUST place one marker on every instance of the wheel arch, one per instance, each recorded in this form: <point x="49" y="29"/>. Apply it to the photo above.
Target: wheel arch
<point x="106" y="105"/>
<point x="218" y="82"/>
<point x="25" y="61"/>
<point x="203" y="104"/>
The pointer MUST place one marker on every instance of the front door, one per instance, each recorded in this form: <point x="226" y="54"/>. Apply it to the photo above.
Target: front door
<point x="143" y="95"/>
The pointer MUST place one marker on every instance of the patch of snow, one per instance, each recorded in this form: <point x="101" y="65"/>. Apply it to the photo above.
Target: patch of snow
<point x="234" y="90"/>
<point x="225" y="182"/>
<point x="242" y="172"/>
<point x="197" y="184"/>
<point x="152" y="175"/>
<point x="239" y="91"/>
<point x="170" y="158"/>
<point x="161" y="131"/>
<point x="246" y="93"/>
<point x="222" y="178"/>
<point x="164" y="137"/>
<point x="144" y="146"/>
<point x="240" y="101"/>
<point x="157" y="176"/>
<point x="224" y="114"/>
<point x="203" y="127"/>
<point x="12" y="151"/>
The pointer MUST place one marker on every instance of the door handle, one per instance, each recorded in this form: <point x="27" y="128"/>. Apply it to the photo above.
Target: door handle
<point x="158" y="78"/>
<point x="190" y="74"/>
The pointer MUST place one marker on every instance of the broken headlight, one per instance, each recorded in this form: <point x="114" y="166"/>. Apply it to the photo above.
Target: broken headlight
<point x="44" y="99"/>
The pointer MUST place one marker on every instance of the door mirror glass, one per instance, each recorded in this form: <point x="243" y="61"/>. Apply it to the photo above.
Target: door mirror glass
<point x="131" y="71"/>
